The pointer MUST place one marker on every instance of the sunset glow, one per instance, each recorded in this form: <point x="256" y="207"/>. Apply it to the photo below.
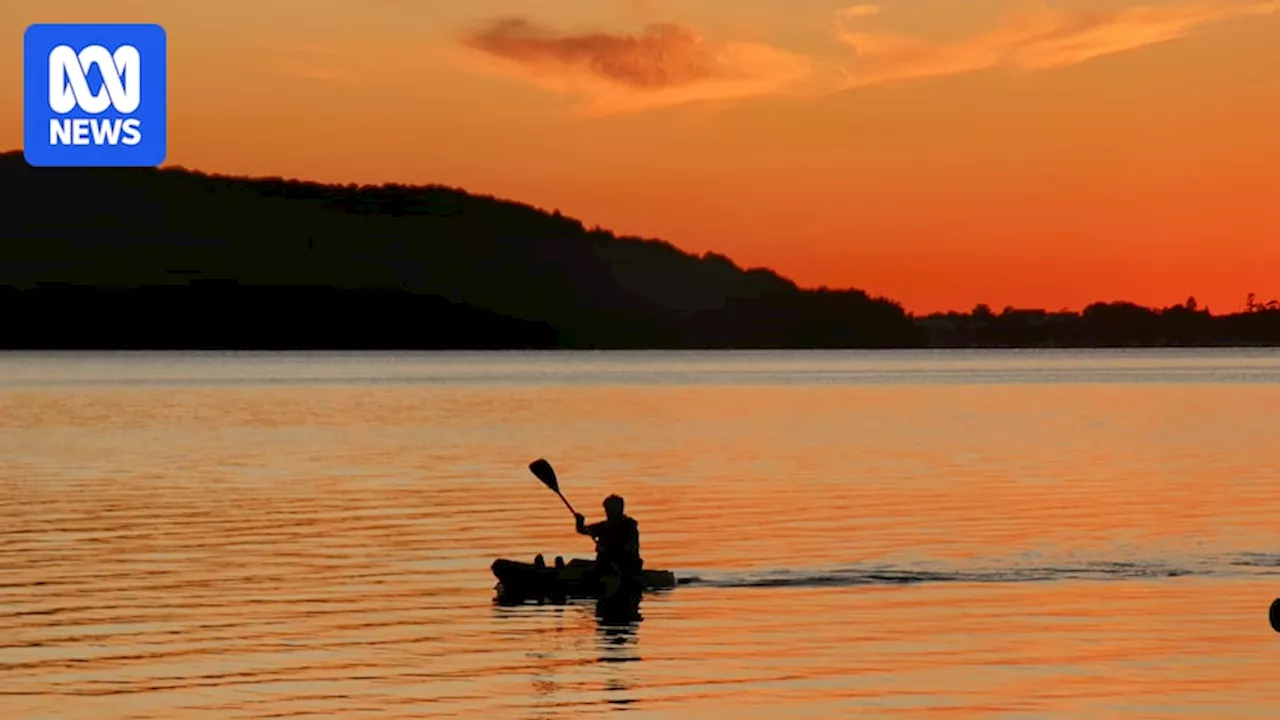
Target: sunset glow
<point x="1025" y="153"/>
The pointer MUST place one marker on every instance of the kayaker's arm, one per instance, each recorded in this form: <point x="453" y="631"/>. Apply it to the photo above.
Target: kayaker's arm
<point x="585" y="529"/>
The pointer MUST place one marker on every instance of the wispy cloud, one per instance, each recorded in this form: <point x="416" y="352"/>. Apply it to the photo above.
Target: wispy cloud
<point x="664" y="65"/>
<point x="1035" y="37"/>
<point x="670" y="64"/>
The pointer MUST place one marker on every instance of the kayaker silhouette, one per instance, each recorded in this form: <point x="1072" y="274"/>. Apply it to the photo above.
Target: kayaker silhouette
<point x="617" y="539"/>
<point x="616" y="577"/>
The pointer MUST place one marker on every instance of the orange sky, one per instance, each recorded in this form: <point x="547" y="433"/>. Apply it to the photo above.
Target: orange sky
<point x="942" y="153"/>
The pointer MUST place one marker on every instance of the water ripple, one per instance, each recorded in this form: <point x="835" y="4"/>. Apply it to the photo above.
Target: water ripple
<point x="852" y="546"/>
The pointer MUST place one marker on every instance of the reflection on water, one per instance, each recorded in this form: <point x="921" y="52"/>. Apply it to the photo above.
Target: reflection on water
<point x="618" y="644"/>
<point x="563" y="645"/>
<point x="865" y="535"/>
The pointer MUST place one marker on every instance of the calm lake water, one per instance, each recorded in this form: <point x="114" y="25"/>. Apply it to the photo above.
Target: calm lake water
<point x="878" y="534"/>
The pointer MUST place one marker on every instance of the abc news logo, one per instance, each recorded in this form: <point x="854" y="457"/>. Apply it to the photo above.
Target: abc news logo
<point x="69" y="89"/>
<point x="95" y="95"/>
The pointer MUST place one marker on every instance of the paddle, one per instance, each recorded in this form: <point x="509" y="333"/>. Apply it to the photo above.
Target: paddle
<point x="544" y="472"/>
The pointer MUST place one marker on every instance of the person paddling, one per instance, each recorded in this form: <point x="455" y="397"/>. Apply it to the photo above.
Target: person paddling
<point x="617" y="539"/>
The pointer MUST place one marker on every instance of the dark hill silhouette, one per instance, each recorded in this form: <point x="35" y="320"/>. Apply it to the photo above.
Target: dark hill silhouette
<point x="171" y="258"/>
<point x="144" y="258"/>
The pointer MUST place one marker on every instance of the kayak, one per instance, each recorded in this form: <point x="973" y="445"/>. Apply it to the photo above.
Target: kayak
<point x="539" y="581"/>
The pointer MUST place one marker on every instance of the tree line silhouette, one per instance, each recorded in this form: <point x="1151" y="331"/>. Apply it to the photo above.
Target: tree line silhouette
<point x="146" y="258"/>
<point x="1107" y="324"/>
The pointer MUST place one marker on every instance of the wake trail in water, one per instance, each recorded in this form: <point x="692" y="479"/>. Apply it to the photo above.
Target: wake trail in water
<point x="1244" y="564"/>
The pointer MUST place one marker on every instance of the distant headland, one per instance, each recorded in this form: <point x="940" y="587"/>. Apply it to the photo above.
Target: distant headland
<point x="174" y="259"/>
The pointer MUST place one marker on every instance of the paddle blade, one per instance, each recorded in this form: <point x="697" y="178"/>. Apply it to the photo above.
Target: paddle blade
<point x="543" y="470"/>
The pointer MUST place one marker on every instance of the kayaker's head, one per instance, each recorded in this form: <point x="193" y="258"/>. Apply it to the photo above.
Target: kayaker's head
<point x="613" y="507"/>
